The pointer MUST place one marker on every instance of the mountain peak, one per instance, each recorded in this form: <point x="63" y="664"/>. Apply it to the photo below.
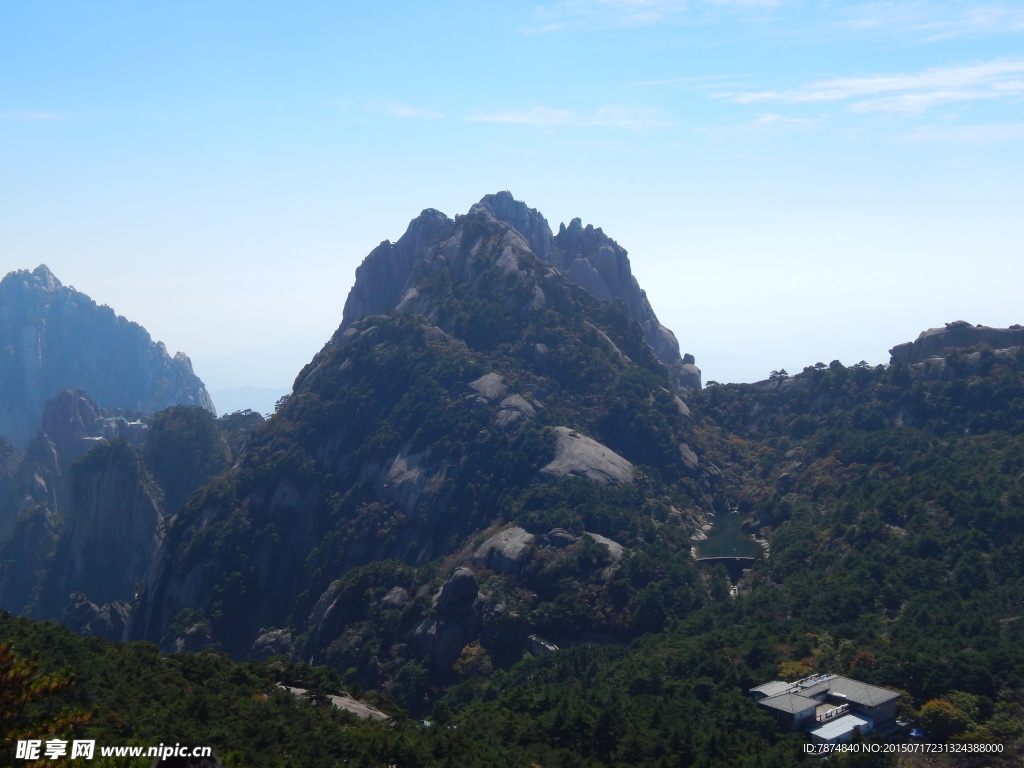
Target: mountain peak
<point x="525" y="220"/>
<point x="392" y="276"/>
<point x="44" y="275"/>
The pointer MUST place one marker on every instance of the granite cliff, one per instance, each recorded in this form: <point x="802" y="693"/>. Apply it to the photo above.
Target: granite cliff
<point x="54" y="338"/>
<point x="391" y="276"/>
<point x="960" y="349"/>
<point x="83" y="509"/>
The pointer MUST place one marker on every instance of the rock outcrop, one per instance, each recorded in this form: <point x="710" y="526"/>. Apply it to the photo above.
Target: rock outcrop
<point x="458" y="622"/>
<point x="955" y="335"/>
<point x="505" y="552"/>
<point x="114" y="508"/>
<point x="577" y="455"/>
<point x="591" y="259"/>
<point x="86" y="618"/>
<point x="392" y="276"/>
<point x="54" y="338"/>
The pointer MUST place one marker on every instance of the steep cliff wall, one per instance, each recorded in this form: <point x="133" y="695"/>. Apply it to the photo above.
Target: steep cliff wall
<point x="54" y="338"/>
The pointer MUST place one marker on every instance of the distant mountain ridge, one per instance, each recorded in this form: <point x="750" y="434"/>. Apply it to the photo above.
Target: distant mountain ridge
<point x="54" y="338"/>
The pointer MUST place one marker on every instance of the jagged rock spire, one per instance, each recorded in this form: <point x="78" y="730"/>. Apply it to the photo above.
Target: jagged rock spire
<point x="388" y="277"/>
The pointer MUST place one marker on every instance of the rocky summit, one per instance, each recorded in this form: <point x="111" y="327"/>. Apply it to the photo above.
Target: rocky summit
<point x="54" y="338"/>
<point x="393" y="275"/>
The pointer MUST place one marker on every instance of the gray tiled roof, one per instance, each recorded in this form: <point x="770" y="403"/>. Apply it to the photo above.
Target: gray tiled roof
<point x="861" y="693"/>
<point x="789" y="703"/>
<point x="813" y="690"/>
<point x="774" y="688"/>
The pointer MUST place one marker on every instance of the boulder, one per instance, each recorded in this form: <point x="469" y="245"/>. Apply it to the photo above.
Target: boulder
<point x="512" y="409"/>
<point x="690" y="459"/>
<point x="442" y="639"/>
<point x="580" y="456"/>
<point x="273" y="642"/>
<point x="559" y="538"/>
<point x="504" y="552"/>
<point x="539" y="646"/>
<point x="489" y="386"/>
<point x="458" y="594"/>
<point x="458" y="623"/>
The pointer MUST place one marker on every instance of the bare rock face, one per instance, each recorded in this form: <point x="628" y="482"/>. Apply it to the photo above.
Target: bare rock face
<point x="690" y="459"/>
<point x="54" y="338"/>
<point x="974" y="363"/>
<point x="489" y="387"/>
<point x="408" y="479"/>
<point x="107" y="621"/>
<point x="273" y="642"/>
<point x="112" y="529"/>
<point x="458" y="622"/>
<point x="37" y="513"/>
<point x="581" y="456"/>
<point x="591" y="259"/>
<point x="458" y="593"/>
<point x="381" y="280"/>
<point x="505" y="552"/>
<point x="956" y="335"/>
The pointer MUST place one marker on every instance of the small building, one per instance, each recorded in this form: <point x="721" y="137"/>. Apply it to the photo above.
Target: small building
<point x="830" y="708"/>
<point x="841" y="729"/>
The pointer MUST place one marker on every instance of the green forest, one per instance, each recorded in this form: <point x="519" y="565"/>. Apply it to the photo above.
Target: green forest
<point x="891" y="508"/>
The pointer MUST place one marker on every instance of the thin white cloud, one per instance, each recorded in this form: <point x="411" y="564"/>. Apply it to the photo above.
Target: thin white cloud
<point x="936" y="20"/>
<point x="745" y="3"/>
<point x="910" y="93"/>
<point x="25" y="115"/>
<point x="631" y="118"/>
<point x="761" y="125"/>
<point x="404" y="111"/>
<point x="698" y="80"/>
<point x="965" y="134"/>
<point x="576" y="14"/>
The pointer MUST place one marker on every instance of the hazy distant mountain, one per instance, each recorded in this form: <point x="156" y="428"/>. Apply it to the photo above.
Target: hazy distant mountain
<point x="53" y="338"/>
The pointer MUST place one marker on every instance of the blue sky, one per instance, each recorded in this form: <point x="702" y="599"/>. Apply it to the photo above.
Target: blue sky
<point x="794" y="181"/>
